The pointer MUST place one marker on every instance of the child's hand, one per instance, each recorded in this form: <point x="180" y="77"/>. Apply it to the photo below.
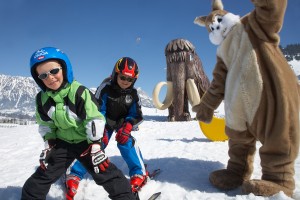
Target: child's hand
<point x="99" y="159"/>
<point x="104" y="139"/>
<point x="124" y="133"/>
<point x="44" y="157"/>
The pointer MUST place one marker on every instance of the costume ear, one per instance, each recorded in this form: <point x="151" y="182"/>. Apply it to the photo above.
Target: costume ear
<point x="200" y="20"/>
<point x="217" y="5"/>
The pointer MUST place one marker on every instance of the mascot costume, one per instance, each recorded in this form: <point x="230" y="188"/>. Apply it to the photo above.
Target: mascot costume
<point x="261" y="97"/>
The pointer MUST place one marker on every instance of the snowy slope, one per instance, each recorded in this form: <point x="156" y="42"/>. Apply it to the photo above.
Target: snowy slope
<point x="180" y="149"/>
<point x="295" y="65"/>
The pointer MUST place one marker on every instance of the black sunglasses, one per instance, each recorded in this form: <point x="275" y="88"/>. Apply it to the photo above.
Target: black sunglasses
<point x="52" y="71"/>
<point x="123" y="78"/>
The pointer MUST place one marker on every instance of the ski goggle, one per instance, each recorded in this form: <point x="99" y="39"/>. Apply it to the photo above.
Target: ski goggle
<point x="53" y="71"/>
<point x="128" y="79"/>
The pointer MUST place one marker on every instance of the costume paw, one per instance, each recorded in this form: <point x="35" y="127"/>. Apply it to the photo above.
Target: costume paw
<point x="204" y="113"/>
<point x="264" y="188"/>
<point x="225" y="179"/>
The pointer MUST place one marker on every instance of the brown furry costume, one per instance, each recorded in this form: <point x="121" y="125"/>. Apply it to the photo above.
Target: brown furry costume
<point x="261" y="98"/>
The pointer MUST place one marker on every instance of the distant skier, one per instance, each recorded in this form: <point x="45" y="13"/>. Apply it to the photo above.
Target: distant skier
<point x="72" y="126"/>
<point x="120" y="104"/>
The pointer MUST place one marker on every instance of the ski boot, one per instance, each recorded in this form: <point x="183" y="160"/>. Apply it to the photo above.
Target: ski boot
<point x="72" y="183"/>
<point x="137" y="181"/>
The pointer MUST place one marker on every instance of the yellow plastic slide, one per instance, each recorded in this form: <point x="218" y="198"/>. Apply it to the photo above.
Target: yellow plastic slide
<point x="214" y="131"/>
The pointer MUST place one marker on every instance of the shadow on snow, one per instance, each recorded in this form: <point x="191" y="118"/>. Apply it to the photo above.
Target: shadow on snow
<point x="188" y="174"/>
<point x="14" y="193"/>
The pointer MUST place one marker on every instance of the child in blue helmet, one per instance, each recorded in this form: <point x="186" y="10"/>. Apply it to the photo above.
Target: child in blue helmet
<point x="120" y="104"/>
<point x="72" y="127"/>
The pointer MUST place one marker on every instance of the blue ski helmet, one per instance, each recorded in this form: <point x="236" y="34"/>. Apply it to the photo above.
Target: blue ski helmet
<point x="50" y="53"/>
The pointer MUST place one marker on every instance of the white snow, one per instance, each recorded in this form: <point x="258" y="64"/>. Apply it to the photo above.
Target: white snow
<point x="179" y="149"/>
<point x="295" y="64"/>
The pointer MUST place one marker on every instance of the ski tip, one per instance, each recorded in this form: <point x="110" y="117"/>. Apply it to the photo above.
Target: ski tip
<point x="154" y="173"/>
<point x="155" y="196"/>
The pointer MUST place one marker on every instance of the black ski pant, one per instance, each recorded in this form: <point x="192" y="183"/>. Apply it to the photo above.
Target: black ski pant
<point x="60" y="158"/>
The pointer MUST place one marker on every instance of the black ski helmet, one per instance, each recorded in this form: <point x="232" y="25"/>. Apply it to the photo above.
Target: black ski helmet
<point x="126" y="66"/>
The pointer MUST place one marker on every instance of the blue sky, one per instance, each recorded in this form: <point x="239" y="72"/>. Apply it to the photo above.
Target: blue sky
<point x="96" y="33"/>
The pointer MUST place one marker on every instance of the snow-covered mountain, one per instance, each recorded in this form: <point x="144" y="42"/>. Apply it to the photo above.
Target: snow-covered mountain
<point x="17" y="93"/>
<point x="292" y="54"/>
<point x="17" y="96"/>
<point x="145" y="99"/>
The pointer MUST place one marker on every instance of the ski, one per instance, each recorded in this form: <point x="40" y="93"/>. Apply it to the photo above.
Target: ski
<point x="151" y="176"/>
<point x="154" y="173"/>
<point x="153" y="196"/>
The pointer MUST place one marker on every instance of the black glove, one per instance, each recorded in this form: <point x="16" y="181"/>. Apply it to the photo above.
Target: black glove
<point x="44" y="156"/>
<point x="99" y="159"/>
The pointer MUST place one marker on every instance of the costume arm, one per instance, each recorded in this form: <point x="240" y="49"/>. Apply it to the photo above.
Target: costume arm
<point x="267" y="18"/>
<point x="215" y="93"/>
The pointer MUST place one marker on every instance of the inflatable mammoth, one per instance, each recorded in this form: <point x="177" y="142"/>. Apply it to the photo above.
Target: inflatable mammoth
<point x="186" y="80"/>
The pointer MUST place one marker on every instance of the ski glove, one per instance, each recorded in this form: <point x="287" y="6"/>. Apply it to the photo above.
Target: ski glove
<point x="99" y="159"/>
<point x="124" y="133"/>
<point x="105" y="138"/>
<point x="45" y="155"/>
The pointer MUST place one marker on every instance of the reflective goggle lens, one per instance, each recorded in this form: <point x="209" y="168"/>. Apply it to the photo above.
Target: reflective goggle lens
<point x="123" y="78"/>
<point x="52" y="71"/>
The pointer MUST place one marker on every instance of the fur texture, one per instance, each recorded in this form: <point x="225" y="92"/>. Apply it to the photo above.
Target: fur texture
<point x="261" y="97"/>
<point x="183" y="63"/>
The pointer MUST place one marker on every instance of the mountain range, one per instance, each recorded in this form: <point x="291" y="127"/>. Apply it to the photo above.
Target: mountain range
<point x="292" y="55"/>
<point x="17" y="97"/>
<point x="17" y="93"/>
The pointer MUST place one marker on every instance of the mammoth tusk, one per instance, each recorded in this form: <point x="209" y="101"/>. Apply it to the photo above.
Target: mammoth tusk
<point x="169" y="96"/>
<point x="192" y="92"/>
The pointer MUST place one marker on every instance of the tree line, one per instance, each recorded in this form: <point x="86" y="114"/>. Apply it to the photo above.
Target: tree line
<point x="16" y="121"/>
<point x="291" y="52"/>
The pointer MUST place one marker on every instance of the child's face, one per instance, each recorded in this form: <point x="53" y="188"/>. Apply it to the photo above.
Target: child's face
<point x="124" y="81"/>
<point x="50" y="72"/>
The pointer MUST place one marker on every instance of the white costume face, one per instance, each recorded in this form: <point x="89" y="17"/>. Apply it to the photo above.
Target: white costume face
<point x="221" y="26"/>
<point x="218" y="23"/>
<point x="217" y="29"/>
